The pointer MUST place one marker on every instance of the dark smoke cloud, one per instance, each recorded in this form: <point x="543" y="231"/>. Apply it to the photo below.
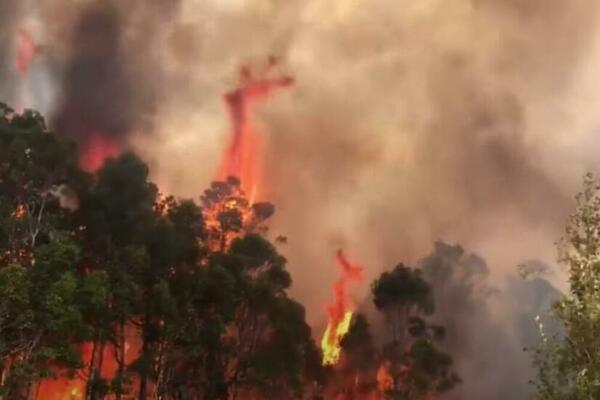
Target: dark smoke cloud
<point x="98" y="96"/>
<point x="112" y="81"/>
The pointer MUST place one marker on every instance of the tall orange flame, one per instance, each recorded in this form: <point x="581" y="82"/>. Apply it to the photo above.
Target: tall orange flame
<point x="242" y="156"/>
<point x="340" y="313"/>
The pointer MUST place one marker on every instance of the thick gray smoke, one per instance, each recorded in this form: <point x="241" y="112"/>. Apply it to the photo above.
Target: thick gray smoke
<point x="111" y="82"/>
<point x="98" y="95"/>
<point x="97" y="56"/>
<point x="488" y="348"/>
<point x="10" y="12"/>
<point x="468" y="121"/>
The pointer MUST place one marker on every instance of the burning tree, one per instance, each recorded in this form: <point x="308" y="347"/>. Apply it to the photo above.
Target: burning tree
<point x="125" y="293"/>
<point x="40" y="317"/>
<point x="409" y="365"/>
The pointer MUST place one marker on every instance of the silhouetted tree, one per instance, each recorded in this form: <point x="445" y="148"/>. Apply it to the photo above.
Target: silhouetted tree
<point x="418" y="368"/>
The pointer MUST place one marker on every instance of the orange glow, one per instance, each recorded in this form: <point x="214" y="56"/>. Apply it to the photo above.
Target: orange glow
<point x="385" y="381"/>
<point x="19" y="212"/>
<point x="25" y="51"/>
<point x="233" y="200"/>
<point x="96" y="150"/>
<point x="241" y="158"/>
<point x="340" y="313"/>
<point x="74" y="389"/>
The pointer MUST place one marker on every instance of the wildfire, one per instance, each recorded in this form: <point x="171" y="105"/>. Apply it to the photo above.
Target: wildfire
<point x="242" y="156"/>
<point x="340" y="314"/>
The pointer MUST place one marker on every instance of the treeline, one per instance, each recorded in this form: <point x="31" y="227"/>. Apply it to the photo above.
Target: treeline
<point x="117" y="292"/>
<point x="123" y="293"/>
<point x="134" y="295"/>
<point x="405" y="362"/>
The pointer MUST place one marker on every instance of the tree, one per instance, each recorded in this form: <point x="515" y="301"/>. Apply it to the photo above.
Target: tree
<point x="400" y="293"/>
<point x="359" y="359"/>
<point x="134" y="295"/>
<point x="44" y="322"/>
<point x="41" y="317"/>
<point x="416" y="366"/>
<point x="34" y="196"/>
<point x="357" y="345"/>
<point x="569" y="364"/>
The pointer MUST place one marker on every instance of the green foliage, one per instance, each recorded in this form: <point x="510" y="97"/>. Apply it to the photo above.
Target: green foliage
<point x="569" y="365"/>
<point x="42" y="320"/>
<point x="16" y="314"/>
<point x="35" y="198"/>
<point x="103" y="260"/>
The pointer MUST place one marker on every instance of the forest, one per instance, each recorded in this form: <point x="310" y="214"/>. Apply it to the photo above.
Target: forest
<point x="113" y="290"/>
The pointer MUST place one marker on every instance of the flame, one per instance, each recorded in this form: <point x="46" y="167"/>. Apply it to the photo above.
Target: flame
<point x="19" y="212"/>
<point x="241" y="158"/>
<point x="75" y="394"/>
<point x="340" y="314"/>
<point x="385" y="381"/>
<point x="62" y="388"/>
<point x="96" y="150"/>
<point x="331" y="351"/>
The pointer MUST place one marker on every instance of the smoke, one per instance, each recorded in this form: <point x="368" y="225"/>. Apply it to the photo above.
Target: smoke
<point x="468" y="121"/>
<point x="488" y="347"/>
<point x="111" y="81"/>
<point x="10" y="13"/>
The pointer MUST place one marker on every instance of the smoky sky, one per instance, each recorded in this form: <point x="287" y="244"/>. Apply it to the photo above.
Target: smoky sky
<point x="10" y="10"/>
<point x="467" y="303"/>
<point x="111" y="81"/>
<point x="469" y="121"/>
<point x="98" y="96"/>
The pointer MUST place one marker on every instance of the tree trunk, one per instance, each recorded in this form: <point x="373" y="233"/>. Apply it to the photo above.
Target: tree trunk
<point x="144" y="370"/>
<point x="120" y="358"/>
<point x="92" y="374"/>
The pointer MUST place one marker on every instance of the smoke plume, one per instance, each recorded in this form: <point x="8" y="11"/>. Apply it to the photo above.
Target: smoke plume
<point x="468" y="306"/>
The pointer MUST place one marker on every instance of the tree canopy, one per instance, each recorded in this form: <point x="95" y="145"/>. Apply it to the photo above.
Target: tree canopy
<point x="569" y="362"/>
<point x="124" y="293"/>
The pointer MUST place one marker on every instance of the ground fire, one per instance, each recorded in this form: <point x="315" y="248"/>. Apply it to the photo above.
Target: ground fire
<point x="340" y="311"/>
